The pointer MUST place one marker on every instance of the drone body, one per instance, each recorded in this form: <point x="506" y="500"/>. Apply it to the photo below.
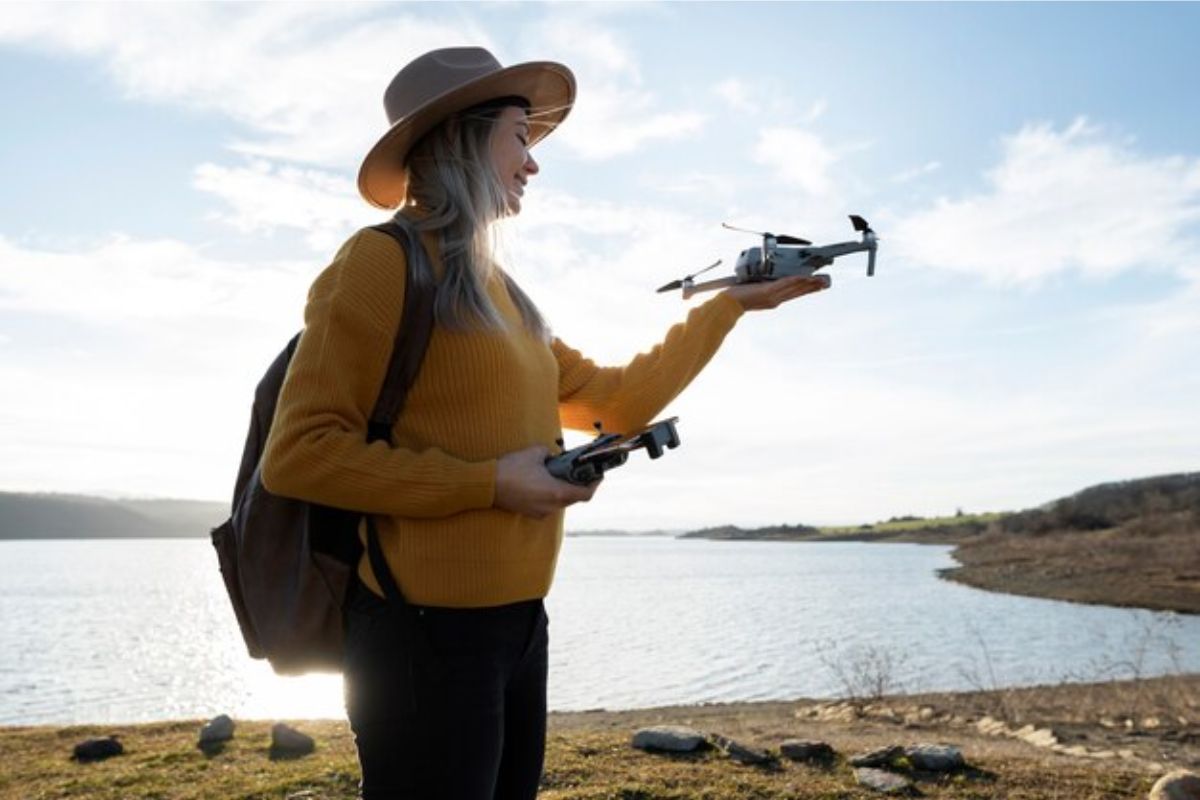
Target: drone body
<point x="783" y="257"/>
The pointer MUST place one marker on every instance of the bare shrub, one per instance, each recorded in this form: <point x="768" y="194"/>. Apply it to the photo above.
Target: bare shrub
<point x="980" y="674"/>
<point x="865" y="672"/>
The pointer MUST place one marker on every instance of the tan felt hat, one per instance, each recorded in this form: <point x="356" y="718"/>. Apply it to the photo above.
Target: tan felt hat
<point x="442" y="82"/>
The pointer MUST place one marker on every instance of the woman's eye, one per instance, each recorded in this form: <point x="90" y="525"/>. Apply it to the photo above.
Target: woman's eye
<point x="524" y="142"/>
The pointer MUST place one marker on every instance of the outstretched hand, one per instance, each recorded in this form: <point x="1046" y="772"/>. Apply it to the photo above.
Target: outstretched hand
<point x="770" y="294"/>
<point x="525" y="486"/>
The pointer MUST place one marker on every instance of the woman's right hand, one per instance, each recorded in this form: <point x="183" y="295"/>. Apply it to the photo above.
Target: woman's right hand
<point x="525" y="486"/>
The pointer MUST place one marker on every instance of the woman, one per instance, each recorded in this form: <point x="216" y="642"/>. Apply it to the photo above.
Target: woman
<point x="447" y="697"/>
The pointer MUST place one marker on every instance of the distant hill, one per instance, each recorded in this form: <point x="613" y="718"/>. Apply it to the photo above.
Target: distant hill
<point x="772" y="533"/>
<point x="66" y="516"/>
<point x="1105" y="506"/>
<point x="1109" y="505"/>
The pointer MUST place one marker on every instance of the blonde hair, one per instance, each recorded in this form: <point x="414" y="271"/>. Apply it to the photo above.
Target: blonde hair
<point x="452" y="181"/>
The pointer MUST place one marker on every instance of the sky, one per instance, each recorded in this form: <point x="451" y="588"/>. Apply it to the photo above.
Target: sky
<point x="173" y="177"/>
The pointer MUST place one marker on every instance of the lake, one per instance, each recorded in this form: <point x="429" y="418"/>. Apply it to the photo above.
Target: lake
<point x="136" y="630"/>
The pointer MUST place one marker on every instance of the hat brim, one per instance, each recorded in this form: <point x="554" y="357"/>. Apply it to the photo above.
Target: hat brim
<point x="548" y="86"/>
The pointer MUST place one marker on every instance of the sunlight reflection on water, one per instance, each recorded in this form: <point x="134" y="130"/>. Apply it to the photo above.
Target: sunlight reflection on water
<point x="125" y="630"/>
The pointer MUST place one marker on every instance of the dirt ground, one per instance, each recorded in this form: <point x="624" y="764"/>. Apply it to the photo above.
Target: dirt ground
<point x="1151" y="725"/>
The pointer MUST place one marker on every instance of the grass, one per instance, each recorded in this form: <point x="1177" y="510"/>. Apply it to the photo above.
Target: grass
<point x="589" y="756"/>
<point x="161" y="761"/>
<point x="929" y="526"/>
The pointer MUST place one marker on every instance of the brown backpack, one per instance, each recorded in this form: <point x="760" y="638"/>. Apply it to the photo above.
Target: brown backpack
<point x="287" y="563"/>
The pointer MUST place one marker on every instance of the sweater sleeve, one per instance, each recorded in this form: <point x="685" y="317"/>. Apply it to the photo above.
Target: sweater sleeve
<point x="625" y="399"/>
<point x="317" y="448"/>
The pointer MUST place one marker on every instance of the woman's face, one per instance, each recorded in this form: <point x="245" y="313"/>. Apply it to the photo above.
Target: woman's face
<point x="510" y="154"/>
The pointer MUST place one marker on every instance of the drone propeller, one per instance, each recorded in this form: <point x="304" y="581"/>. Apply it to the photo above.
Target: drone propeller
<point x="860" y="224"/>
<point x="781" y="239"/>
<point x="679" y="283"/>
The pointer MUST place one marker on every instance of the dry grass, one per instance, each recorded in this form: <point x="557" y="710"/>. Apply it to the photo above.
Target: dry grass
<point x="589" y="756"/>
<point x="1151" y="562"/>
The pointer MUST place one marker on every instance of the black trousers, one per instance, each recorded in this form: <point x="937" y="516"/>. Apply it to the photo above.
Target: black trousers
<point x="446" y="704"/>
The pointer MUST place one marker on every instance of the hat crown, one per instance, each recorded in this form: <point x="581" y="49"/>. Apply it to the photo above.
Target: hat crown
<point x="434" y="74"/>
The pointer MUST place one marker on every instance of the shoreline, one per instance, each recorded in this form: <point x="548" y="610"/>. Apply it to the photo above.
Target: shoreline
<point x="1098" y="740"/>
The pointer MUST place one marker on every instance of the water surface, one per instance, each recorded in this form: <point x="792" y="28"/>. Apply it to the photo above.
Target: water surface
<point x="135" y="630"/>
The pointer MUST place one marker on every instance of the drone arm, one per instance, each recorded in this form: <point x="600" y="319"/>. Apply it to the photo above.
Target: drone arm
<point x="706" y="286"/>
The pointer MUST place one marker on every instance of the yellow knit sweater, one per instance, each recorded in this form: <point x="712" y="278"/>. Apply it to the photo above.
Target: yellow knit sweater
<point x="479" y="395"/>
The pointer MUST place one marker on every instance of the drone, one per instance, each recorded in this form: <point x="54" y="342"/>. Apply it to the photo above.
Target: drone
<point x="781" y="256"/>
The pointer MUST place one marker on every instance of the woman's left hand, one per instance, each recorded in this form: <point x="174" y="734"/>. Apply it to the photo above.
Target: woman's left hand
<point x="769" y="294"/>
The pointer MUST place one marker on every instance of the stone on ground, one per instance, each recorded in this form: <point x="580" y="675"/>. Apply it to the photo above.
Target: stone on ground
<point x="97" y="749"/>
<point x="878" y="758"/>
<point x="216" y="730"/>
<point x="1178" y="785"/>
<point x="881" y="780"/>
<point x="741" y="753"/>
<point x="935" y="757"/>
<point x="671" y="738"/>
<point x="807" y="750"/>
<point x="287" y="742"/>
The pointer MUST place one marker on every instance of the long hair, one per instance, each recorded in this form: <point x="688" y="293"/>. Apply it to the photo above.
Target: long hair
<point x="452" y="181"/>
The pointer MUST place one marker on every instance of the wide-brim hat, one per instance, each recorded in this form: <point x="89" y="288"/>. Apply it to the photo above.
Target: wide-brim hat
<point x="444" y="82"/>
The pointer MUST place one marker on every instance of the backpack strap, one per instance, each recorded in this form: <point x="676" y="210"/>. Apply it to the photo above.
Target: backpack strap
<point x="412" y="335"/>
<point x="408" y="350"/>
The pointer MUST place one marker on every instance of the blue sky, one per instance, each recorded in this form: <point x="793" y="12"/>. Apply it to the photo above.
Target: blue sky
<point x="175" y="175"/>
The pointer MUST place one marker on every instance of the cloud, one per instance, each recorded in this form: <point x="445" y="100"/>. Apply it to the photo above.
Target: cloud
<point x="737" y="94"/>
<point x="301" y="78"/>
<point x="264" y="197"/>
<point x="159" y="285"/>
<point x="136" y="361"/>
<point x="1072" y="200"/>
<point x="797" y="156"/>
<point x="613" y="114"/>
<point x="916" y="172"/>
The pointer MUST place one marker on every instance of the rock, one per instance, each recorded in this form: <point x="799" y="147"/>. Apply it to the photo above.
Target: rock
<point x="288" y="742"/>
<point x="97" y="749"/>
<point x="877" y="758"/>
<point x="992" y="727"/>
<point x="935" y="757"/>
<point x="1039" y="737"/>
<point x="743" y="754"/>
<point x="806" y="750"/>
<point x="1177" y="785"/>
<point x="217" y="730"/>
<point x="882" y="780"/>
<point x="670" y="738"/>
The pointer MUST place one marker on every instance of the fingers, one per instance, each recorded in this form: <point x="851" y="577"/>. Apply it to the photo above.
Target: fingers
<point x="791" y="288"/>
<point x="525" y="486"/>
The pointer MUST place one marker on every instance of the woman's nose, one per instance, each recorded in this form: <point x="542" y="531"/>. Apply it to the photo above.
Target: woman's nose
<point x="531" y="165"/>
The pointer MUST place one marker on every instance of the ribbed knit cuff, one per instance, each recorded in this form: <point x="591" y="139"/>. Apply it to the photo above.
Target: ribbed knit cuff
<point x="728" y="308"/>
<point x="480" y="484"/>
